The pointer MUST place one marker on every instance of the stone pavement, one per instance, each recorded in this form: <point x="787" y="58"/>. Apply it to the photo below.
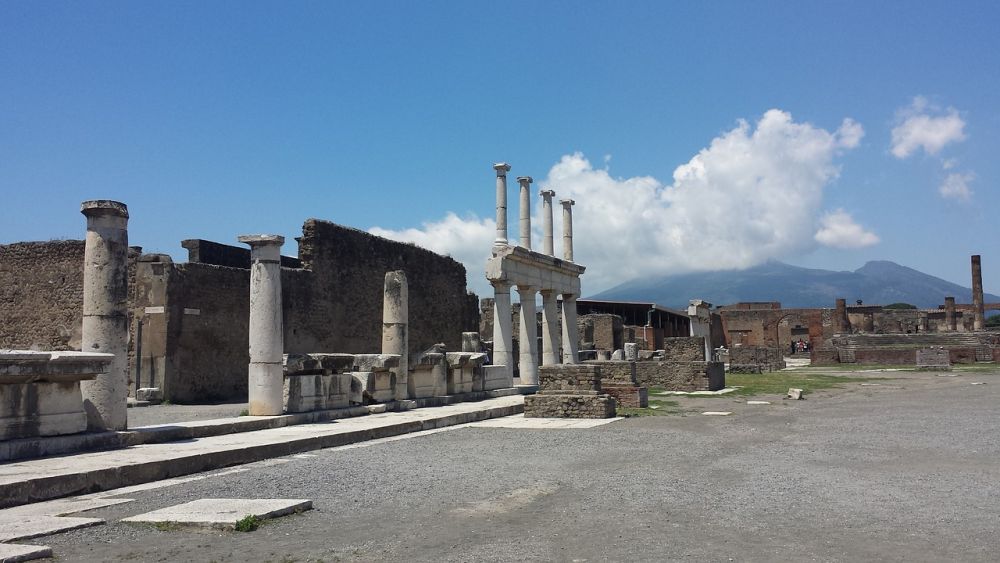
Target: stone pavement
<point x="48" y="478"/>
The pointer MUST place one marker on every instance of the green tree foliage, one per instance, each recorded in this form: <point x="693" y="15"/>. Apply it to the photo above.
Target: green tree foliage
<point x="900" y="306"/>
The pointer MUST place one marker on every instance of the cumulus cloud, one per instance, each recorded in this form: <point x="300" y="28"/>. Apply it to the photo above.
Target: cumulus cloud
<point x="838" y="230"/>
<point x="956" y="186"/>
<point x="922" y="125"/>
<point x="755" y="193"/>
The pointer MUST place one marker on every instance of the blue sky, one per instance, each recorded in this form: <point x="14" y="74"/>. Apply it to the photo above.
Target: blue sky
<point x="216" y="119"/>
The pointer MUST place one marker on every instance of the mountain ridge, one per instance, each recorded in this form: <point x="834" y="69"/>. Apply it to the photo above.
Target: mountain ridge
<point x="877" y="282"/>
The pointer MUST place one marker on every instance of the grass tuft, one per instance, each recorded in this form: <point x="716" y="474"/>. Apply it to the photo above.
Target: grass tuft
<point x="248" y="523"/>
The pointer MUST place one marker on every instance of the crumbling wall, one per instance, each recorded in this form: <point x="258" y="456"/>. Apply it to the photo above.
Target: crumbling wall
<point x="681" y="376"/>
<point x="41" y="295"/>
<point x="684" y="349"/>
<point x="343" y="308"/>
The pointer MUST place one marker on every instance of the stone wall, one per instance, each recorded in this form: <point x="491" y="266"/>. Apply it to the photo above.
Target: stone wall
<point x="768" y="358"/>
<point x="684" y="349"/>
<point x="681" y="376"/>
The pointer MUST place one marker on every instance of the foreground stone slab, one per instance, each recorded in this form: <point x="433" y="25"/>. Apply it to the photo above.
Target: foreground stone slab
<point x="222" y="512"/>
<point x="43" y="479"/>
<point x="519" y="421"/>
<point x="11" y="553"/>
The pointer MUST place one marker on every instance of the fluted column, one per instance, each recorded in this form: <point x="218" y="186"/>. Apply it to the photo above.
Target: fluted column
<point x="502" y="327"/>
<point x="267" y="339"/>
<point x="105" y="312"/>
<point x="550" y="329"/>
<point x="570" y="336"/>
<point x="978" y="312"/>
<point x="525" y="210"/>
<point x="501" y="168"/>
<point x="547" y="246"/>
<point x="567" y="205"/>
<point x="528" y="349"/>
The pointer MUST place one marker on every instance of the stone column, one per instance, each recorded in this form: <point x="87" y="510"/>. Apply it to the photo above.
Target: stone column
<point x="550" y="329"/>
<point x="949" y="314"/>
<point x="528" y="350"/>
<point x="567" y="205"/>
<point x="979" y="314"/>
<point x="525" y="208"/>
<point x="105" y="312"/>
<point x="547" y="246"/>
<point x="395" y="315"/>
<point x="502" y="168"/>
<point x="502" y="327"/>
<point x="840" y="322"/>
<point x="266" y="335"/>
<point x="570" y="338"/>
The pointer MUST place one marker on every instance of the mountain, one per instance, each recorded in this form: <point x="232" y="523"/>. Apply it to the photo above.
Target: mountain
<point x="878" y="283"/>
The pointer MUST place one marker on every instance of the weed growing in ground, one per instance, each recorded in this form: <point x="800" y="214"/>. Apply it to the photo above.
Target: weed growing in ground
<point x="245" y="412"/>
<point x="248" y="523"/>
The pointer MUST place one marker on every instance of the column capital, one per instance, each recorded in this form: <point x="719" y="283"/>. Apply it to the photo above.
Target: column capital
<point x="99" y="207"/>
<point x="261" y="240"/>
<point x="502" y="168"/>
<point x="527" y="288"/>
<point x="525" y="180"/>
<point x="547" y="194"/>
<point x="500" y="286"/>
<point x="567" y="202"/>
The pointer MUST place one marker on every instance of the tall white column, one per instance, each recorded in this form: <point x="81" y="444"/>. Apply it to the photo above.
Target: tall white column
<point x="567" y="205"/>
<point x="550" y="329"/>
<point x="570" y="336"/>
<point x="547" y="246"/>
<point x="528" y="349"/>
<point x="525" y="210"/>
<point x="502" y="327"/>
<point x="395" y="317"/>
<point x="105" y="312"/>
<point x="266" y="335"/>
<point x="502" y="168"/>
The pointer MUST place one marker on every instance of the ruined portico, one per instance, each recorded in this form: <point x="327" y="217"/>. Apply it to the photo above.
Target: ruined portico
<point x="531" y="272"/>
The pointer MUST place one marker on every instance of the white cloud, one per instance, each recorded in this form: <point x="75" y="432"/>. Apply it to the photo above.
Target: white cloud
<point x="956" y="186"/>
<point x="925" y="126"/>
<point x="838" y="230"/>
<point x="753" y="194"/>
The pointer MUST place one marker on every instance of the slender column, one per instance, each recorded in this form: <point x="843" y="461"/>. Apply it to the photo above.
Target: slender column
<point x="949" y="314"/>
<point x="550" y="329"/>
<point x="567" y="205"/>
<point x="979" y="314"/>
<point x="395" y="316"/>
<point x="105" y="312"/>
<point x="547" y="246"/>
<point x="528" y="349"/>
<point x="266" y="335"/>
<point x="502" y="327"/>
<point x="525" y="209"/>
<point x="502" y="168"/>
<point x="570" y="337"/>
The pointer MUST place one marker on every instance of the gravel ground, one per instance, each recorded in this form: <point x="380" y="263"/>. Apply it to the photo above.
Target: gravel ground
<point x="166" y="414"/>
<point x="906" y="470"/>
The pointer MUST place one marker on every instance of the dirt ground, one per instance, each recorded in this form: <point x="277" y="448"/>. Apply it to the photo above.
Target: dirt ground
<point x="905" y="469"/>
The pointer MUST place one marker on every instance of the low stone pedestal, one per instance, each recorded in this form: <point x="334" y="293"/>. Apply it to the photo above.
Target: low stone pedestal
<point x="933" y="359"/>
<point x="429" y="374"/>
<point x="40" y="391"/>
<point x="374" y="378"/>
<point x="569" y="391"/>
<point x="464" y="368"/>
<point x="630" y="396"/>
<point x="317" y="381"/>
<point x="497" y="377"/>
<point x="618" y="379"/>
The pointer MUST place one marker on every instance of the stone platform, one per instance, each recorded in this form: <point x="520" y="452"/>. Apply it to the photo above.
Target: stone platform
<point x="569" y="391"/>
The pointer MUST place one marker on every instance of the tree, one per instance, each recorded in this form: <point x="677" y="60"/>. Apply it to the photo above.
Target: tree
<point x="900" y="306"/>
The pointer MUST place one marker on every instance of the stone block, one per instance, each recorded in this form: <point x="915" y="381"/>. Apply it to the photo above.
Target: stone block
<point x="373" y="386"/>
<point x="794" y="394"/>
<point x="150" y="394"/>
<point x="338" y="391"/>
<point x="570" y="377"/>
<point x="30" y="410"/>
<point x="569" y="406"/>
<point x="934" y="359"/>
<point x="428" y="374"/>
<point x="630" y="396"/>
<point x="497" y="377"/>
<point x="304" y="393"/>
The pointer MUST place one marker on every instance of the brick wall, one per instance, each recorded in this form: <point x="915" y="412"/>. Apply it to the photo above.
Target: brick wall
<point x="681" y="376"/>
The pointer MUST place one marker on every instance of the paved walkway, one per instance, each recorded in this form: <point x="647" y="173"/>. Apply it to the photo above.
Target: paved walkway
<point x="54" y="477"/>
